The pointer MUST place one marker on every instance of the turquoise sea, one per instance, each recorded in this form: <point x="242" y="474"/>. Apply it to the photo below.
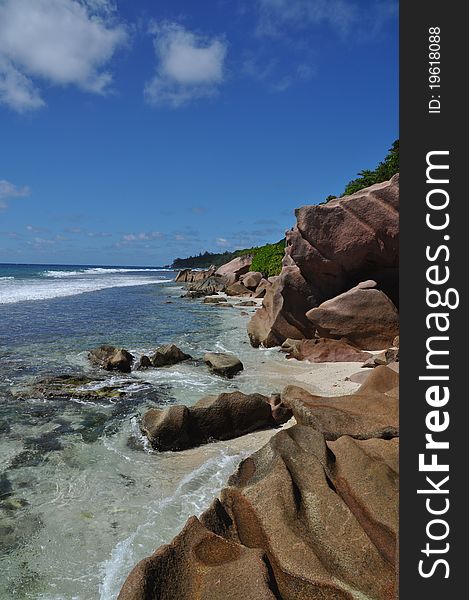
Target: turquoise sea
<point x="82" y="497"/>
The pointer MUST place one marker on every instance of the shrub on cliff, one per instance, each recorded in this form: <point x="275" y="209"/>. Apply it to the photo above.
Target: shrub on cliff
<point x="268" y="259"/>
<point x="384" y="171"/>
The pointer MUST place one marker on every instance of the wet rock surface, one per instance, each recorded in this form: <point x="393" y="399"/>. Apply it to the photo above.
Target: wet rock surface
<point x="111" y="358"/>
<point x="167" y="355"/>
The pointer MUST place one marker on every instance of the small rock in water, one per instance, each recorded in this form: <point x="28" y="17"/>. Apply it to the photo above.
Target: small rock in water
<point x="214" y="299"/>
<point x="47" y="442"/>
<point x="93" y="426"/>
<point x="5" y="427"/>
<point x="167" y="355"/>
<point x="144" y="363"/>
<point x="223" y="364"/>
<point x="213" y="418"/>
<point x="13" y="504"/>
<point x="135" y="443"/>
<point x="111" y="358"/>
<point x="6" y="488"/>
<point x="129" y="481"/>
<point x="27" y="458"/>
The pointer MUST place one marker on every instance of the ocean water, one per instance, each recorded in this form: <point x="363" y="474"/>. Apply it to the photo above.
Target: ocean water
<point x="82" y="497"/>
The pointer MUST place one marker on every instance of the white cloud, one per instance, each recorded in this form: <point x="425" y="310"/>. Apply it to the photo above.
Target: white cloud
<point x="343" y="16"/>
<point x="9" y="190"/>
<point x="340" y="14"/>
<point x="189" y="66"/>
<point x="142" y="237"/>
<point x="222" y="242"/>
<point x="62" y="42"/>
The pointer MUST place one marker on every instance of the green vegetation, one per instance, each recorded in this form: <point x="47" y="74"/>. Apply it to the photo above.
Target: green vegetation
<point x="268" y="259"/>
<point x="207" y="259"/>
<point x="384" y="171"/>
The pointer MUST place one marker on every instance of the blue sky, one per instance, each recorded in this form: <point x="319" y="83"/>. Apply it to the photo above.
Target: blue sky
<point x="136" y="131"/>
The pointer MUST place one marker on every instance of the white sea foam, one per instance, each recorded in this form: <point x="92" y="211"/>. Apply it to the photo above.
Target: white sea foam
<point x="56" y="274"/>
<point x="5" y="278"/>
<point x="192" y="496"/>
<point x="30" y="289"/>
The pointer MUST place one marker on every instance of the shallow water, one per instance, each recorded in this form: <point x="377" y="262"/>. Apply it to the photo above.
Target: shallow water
<point x="82" y="498"/>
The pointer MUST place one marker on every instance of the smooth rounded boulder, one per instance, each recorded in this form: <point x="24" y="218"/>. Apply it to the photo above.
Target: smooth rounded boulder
<point x="319" y="350"/>
<point x="364" y="315"/>
<point x="215" y="418"/>
<point x="233" y="270"/>
<point x="251" y="280"/>
<point x="332" y="246"/>
<point x="283" y="311"/>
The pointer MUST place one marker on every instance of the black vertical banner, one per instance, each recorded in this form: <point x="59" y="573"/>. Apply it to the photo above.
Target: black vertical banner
<point x="433" y="303"/>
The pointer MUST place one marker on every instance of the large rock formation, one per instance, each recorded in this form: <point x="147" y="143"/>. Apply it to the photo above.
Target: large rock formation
<point x="237" y="289"/>
<point x="332" y="247"/>
<point x="298" y="521"/>
<point x="251" y="280"/>
<point x="283" y="311"/>
<point x="192" y="276"/>
<point x="206" y="287"/>
<point x="364" y="315"/>
<point x="216" y="418"/>
<point x="233" y="270"/>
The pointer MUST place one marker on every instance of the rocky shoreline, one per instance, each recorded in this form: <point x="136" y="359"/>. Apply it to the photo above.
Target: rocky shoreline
<point x="312" y="514"/>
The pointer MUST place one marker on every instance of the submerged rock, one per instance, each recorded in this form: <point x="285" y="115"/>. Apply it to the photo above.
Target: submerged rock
<point x="216" y="418"/>
<point x="4" y="426"/>
<point x="111" y="358"/>
<point x="6" y="489"/>
<point x="226" y="365"/>
<point x="76" y="386"/>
